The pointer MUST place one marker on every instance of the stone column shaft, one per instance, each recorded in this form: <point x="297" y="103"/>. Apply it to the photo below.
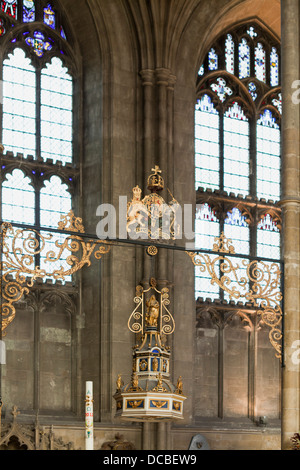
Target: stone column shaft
<point x="290" y="203"/>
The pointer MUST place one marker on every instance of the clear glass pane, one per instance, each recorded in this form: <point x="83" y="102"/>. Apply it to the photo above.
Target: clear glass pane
<point x="206" y="144"/>
<point x="207" y="227"/>
<point x="19" y="104"/>
<point x="56" y="112"/>
<point x="18" y="199"/>
<point x="268" y="157"/>
<point x="236" y="151"/>
<point x="55" y="202"/>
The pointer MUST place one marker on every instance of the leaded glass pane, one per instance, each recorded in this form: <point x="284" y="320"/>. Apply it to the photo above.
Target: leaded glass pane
<point x="19" y="104"/>
<point x="18" y="199"/>
<point x="252" y="33"/>
<point x="39" y="43"/>
<point x="207" y="227"/>
<point x="221" y="88"/>
<point x="252" y="90"/>
<point x="56" y="112"/>
<point x="277" y="102"/>
<point x="268" y="239"/>
<point x="206" y="144"/>
<point x="229" y="54"/>
<point x="28" y="11"/>
<point x="260" y="62"/>
<point x="212" y="60"/>
<point x="201" y="71"/>
<point x="55" y="202"/>
<point x="236" y="151"/>
<point x="10" y="7"/>
<point x="274" y="67"/>
<point x="49" y="16"/>
<point x="244" y="59"/>
<point x="237" y="230"/>
<point x="268" y="157"/>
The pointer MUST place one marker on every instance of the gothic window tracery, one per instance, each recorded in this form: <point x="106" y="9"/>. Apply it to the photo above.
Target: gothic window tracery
<point x="38" y="163"/>
<point x="237" y="148"/>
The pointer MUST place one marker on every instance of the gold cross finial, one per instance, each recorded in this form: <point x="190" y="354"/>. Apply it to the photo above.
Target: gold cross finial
<point x="156" y="169"/>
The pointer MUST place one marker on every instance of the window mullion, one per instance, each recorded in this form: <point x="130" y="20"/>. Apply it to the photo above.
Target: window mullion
<point x="221" y="147"/>
<point x="38" y="114"/>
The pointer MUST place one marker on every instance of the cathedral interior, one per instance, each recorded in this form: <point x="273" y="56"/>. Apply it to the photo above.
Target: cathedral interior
<point x="187" y="105"/>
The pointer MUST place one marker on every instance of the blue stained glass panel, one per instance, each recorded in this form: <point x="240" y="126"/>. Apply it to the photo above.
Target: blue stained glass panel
<point x="38" y="43"/>
<point x="244" y="59"/>
<point x="28" y="11"/>
<point x="260" y="62"/>
<point x="49" y="16"/>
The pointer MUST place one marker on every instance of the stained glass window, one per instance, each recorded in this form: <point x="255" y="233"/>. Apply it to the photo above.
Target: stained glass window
<point x="236" y="151"/>
<point x="274" y="67"/>
<point x="49" y="16"/>
<point x="206" y="143"/>
<point x="39" y="43"/>
<point x="237" y="155"/>
<point x="260" y="62"/>
<point x="28" y="11"/>
<point x="221" y="89"/>
<point x="252" y="33"/>
<point x="229" y="53"/>
<point x="244" y="59"/>
<point x="56" y="112"/>
<point x="201" y="70"/>
<point x="252" y="90"/>
<point x="268" y="238"/>
<point x="10" y="7"/>
<point x="2" y="28"/>
<point x="277" y="102"/>
<point x="19" y="104"/>
<point x="212" y="60"/>
<point x="37" y="117"/>
<point x="268" y="157"/>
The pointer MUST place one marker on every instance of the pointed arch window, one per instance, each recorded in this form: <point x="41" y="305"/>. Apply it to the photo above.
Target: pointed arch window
<point x="38" y="70"/>
<point x="237" y="147"/>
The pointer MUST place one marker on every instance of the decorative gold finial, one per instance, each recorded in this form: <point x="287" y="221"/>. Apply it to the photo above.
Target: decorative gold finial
<point x="155" y="180"/>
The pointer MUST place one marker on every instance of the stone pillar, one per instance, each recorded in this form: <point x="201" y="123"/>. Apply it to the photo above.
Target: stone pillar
<point x="290" y="203"/>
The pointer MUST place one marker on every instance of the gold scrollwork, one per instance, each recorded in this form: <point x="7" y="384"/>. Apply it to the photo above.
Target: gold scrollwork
<point x="141" y="315"/>
<point x="259" y="285"/>
<point x="20" y="248"/>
